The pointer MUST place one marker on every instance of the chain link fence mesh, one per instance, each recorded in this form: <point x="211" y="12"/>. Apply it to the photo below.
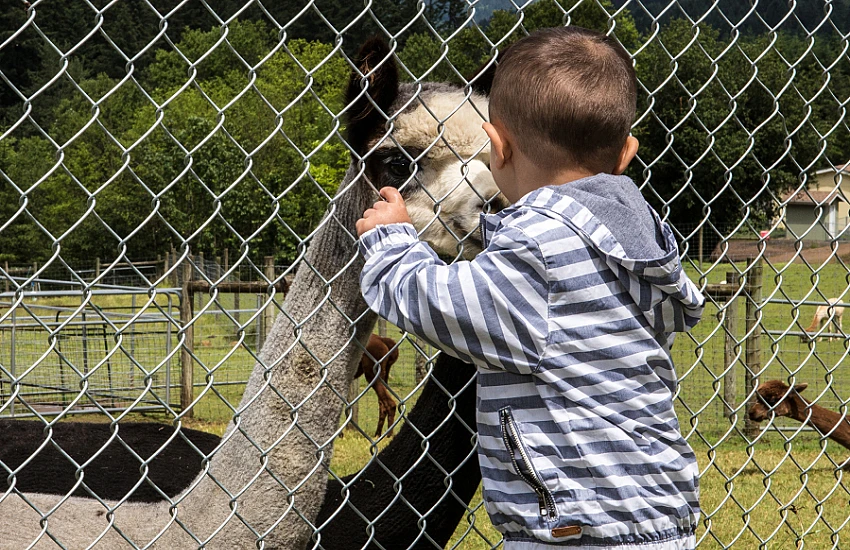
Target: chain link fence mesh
<point x="149" y="133"/>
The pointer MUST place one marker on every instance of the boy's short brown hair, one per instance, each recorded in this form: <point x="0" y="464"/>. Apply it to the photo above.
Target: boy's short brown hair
<point x="568" y="95"/>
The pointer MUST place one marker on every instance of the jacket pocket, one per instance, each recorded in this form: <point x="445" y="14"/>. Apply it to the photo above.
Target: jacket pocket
<point x="523" y="465"/>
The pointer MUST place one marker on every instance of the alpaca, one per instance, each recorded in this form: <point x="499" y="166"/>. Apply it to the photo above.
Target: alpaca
<point x="264" y="484"/>
<point x="823" y="316"/>
<point x="782" y="400"/>
<point x="383" y="353"/>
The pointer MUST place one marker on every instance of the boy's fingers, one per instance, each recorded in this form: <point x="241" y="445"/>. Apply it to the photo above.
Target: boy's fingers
<point x="392" y="195"/>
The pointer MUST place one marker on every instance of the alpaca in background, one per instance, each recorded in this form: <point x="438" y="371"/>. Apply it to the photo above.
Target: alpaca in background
<point x="381" y="354"/>
<point x="822" y="317"/>
<point x="780" y="399"/>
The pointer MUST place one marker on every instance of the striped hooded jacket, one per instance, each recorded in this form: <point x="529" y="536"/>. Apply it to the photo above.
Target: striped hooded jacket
<point x="579" y="444"/>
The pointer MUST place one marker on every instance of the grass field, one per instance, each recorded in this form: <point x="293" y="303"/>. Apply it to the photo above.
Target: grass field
<point x="781" y="490"/>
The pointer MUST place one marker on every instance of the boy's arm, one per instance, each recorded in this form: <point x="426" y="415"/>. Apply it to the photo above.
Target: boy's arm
<point x="492" y="311"/>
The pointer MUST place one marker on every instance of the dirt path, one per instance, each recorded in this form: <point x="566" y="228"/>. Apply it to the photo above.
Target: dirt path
<point x="783" y="250"/>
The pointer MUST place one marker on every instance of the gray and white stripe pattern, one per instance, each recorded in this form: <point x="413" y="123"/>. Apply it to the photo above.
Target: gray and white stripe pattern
<point x="578" y="441"/>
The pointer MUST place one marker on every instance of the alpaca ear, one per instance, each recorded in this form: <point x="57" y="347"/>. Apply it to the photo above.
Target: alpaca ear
<point x="800" y="387"/>
<point x="482" y="79"/>
<point x="372" y="88"/>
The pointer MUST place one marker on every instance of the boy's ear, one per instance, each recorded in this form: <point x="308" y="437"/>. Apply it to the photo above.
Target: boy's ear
<point x="372" y="88"/>
<point x="482" y="80"/>
<point x="500" y="146"/>
<point x="627" y="153"/>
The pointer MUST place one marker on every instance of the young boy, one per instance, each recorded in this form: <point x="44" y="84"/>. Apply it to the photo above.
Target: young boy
<point x="568" y="314"/>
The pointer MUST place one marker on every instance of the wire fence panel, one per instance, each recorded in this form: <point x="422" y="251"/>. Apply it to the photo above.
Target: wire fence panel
<point x="180" y="182"/>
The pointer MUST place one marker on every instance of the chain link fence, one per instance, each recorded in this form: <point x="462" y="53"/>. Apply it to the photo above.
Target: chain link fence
<point x="219" y="129"/>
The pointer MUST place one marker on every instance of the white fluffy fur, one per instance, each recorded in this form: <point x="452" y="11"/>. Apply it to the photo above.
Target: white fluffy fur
<point x="461" y="121"/>
<point x="257" y="504"/>
<point x="456" y="164"/>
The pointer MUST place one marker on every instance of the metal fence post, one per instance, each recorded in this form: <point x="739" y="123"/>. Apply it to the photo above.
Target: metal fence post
<point x="186" y="365"/>
<point x="753" y="343"/>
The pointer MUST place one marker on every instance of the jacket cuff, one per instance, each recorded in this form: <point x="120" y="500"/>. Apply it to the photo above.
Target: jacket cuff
<point x="382" y="237"/>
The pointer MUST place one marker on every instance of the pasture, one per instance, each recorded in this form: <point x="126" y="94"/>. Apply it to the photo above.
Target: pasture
<point x="782" y="484"/>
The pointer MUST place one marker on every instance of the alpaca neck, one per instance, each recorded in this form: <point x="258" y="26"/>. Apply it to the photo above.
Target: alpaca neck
<point x="825" y="420"/>
<point x="815" y="322"/>
<point x="296" y="383"/>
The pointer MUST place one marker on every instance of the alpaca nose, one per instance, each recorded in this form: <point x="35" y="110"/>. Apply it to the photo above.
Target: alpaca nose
<point x="497" y="203"/>
<point x="490" y="199"/>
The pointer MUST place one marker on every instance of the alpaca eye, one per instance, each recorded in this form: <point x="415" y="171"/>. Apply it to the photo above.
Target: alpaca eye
<point x="398" y="166"/>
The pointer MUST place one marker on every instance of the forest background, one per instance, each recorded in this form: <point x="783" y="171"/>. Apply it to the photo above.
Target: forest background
<point x="131" y="130"/>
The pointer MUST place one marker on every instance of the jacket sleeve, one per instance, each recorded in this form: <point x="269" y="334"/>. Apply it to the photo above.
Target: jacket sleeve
<point x="491" y="311"/>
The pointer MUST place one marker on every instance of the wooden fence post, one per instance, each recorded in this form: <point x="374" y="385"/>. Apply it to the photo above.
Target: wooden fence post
<point x="699" y="241"/>
<point x="186" y="312"/>
<point x="753" y="343"/>
<point x="268" y="312"/>
<point x="203" y="269"/>
<point x="165" y="263"/>
<point x="419" y="362"/>
<point x="730" y="378"/>
<point x="236" y="314"/>
<point x="353" y="391"/>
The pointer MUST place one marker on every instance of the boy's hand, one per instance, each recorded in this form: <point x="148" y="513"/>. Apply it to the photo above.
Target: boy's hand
<point x="385" y="212"/>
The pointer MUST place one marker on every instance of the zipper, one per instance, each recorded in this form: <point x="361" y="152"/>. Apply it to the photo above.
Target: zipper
<point x="482" y="228"/>
<point x="523" y="467"/>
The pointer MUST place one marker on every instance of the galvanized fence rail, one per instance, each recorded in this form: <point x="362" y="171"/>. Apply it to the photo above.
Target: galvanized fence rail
<point x="217" y="129"/>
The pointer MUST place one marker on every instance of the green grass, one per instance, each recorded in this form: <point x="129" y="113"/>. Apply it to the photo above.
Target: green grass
<point x="786" y="492"/>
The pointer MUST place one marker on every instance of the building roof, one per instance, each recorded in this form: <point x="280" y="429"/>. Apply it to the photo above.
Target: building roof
<point x="845" y="168"/>
<point x="811" y="197"/>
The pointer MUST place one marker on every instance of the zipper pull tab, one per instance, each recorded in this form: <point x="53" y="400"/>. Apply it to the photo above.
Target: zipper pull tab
<point x="541" y="501"/>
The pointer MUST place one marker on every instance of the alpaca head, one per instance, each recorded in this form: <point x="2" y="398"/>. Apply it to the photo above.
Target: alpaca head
<point x="775" y="396"/>
<point x="425" y="140"/>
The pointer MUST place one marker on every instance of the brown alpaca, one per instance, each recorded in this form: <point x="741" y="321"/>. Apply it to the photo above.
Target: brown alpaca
<point x="822" y="317"/>
<point x="383" y="351"/>
<point x="779" y="397"/>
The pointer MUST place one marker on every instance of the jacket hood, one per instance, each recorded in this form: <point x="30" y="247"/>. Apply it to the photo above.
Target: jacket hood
<point x="610" y="215"/>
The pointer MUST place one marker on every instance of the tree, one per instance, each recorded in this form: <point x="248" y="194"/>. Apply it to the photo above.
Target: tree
<point x="720" y="136"/>
<point x="230" y="157"/>
<point x="470" y="48"/>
